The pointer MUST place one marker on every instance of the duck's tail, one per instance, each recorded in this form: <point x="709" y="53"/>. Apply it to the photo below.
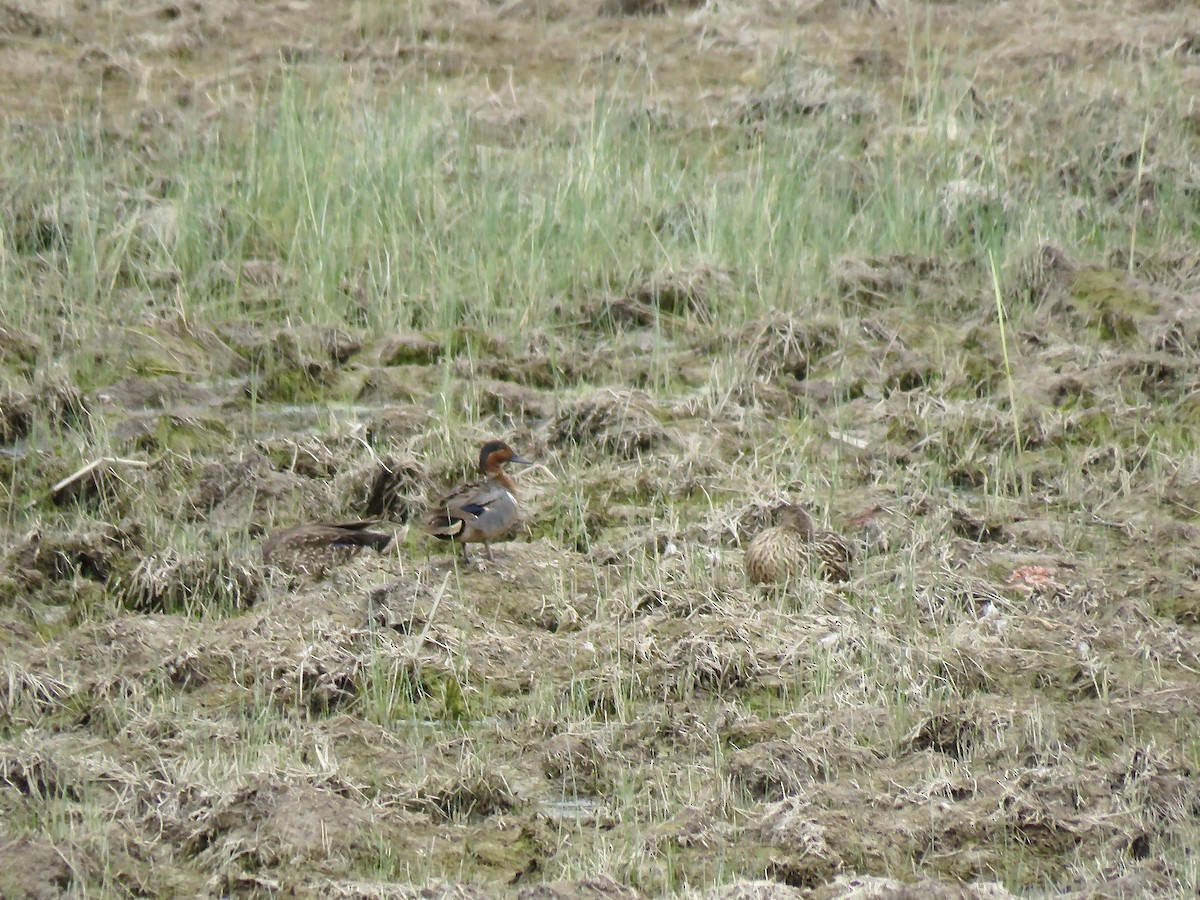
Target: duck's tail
<point x="443" y="525"/>
<point x="360" y="537"/>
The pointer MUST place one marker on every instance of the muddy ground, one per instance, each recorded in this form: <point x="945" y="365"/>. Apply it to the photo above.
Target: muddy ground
<point x="1002" y="699"/>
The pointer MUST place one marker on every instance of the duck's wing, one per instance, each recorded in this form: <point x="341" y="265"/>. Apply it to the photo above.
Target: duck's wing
<point x="356" y="534"/>
<point x="464" y="506"/>
<point x="302" y="537"/>
<point x="836" y="555"/>
<point x="352" y="526"/>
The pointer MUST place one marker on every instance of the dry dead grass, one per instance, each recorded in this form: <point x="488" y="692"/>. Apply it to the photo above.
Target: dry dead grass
<point x="1003" y="697"/>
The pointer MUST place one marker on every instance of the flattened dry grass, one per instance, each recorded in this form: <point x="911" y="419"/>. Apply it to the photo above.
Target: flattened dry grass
<point x="952" y="315"/>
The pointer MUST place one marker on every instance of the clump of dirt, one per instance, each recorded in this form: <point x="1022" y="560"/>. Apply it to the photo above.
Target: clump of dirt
<point x="192" y="582"/>
<point x="883" y="280"/>
<point x="295" y="365"/>
<point x="102" y="486"/>
<point x="38" y="223"/>
<point x="545" y="361"/>
<point x="775" y="769"/>
<point x="765" y="890"/>
<point x="409" y="350"/>
<point x="318" y="683"/>
<point x="633" y="7"/>
<point x="280" y="819"/>
<point x="18" y="351"/>
<point x="617" y="422"/>
<point x="597" y="887"/>
<point x="234" y="492"/>
<point x="268" y="273"/>
<point x="60" y="401"/>
<point x="513" y="402"/>
<point x="404" y="605"/>
<point x="95" y="553"/>
<point x="682" y="221"/>
<point x="398" y="423"/>
<point x="465" y="795"/>
<point x="390" y="488"/>
<point x="577" y="761"/>
<point x="16" y="415"/>
<point x="1109" y="303"/>
<point x="34" y="869"/>
<point x="972" y="208"/>
<point x="797" y="89"/>
<point x="659" y="543"/>
<point x="669" y="297"/>
<point x="783" y="344"/>
<point x="156" y="392"/>
<point x="867" y="887"/>
<point x="802" y="854"/>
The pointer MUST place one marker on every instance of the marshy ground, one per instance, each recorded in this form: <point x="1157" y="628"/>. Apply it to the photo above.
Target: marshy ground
<point x="928" y="268"/>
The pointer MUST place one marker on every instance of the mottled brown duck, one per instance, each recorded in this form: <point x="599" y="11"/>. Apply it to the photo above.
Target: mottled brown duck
<point x="314" y="547"/>
<point x="795" y="546"/>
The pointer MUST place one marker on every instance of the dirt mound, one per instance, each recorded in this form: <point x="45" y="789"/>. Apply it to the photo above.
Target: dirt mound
<point x="34" y="870"/>
<point x="95" y="553"/>
<point x="878" y="281"/>
<point x="19" y="351"/>
<point x="600" y="887"/>
<point x="796" y="89"/>
<point x="195" y="582"/>
<point x="543" y="361"/>
<point x="617" y="422"/>
<point x="158" y="392"/>
<point x="16" y="415"/>
<point x="284" y="481"/>
<point x="667" y="298"/>
<point x="785" y="344"/>
<point x="387" y="487"/>
<point x="282" y="820"/>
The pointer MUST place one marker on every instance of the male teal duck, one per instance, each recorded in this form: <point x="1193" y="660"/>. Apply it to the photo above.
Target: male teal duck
<point x="309" y="548"/>
<point x="482" y="511"/>
<point x="795" y="546"/>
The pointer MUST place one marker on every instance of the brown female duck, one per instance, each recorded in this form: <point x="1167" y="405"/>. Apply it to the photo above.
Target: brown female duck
<point x="795" y="546"/>
<point x="318" y="546"/>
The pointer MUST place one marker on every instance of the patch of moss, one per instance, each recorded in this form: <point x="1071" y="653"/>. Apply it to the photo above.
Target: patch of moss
<point x="185" y="435"/>
<point x="18" y="351"/>
<point x="473" y="343"/>
<point x="444" y="690"/>
<point x="280" y="384"/>
<point x="1110" y="303"/>
<point x="510" y="853"/>
<point x="409" y="350"/>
